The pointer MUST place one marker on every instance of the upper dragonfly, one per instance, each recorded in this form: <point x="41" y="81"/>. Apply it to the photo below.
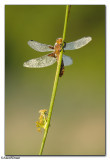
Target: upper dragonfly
<point x="51" y="58"/>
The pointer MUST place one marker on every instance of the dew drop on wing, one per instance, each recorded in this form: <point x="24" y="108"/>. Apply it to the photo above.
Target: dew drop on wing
<point x="40" y="62"/>
<point x="78" y="43"/>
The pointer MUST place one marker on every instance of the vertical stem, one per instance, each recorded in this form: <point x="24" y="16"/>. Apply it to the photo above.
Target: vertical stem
<point x="54" y="86"/>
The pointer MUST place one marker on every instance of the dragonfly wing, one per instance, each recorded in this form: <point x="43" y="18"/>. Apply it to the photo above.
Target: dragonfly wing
<point x="40" y="62"/>
<point x="67" y="60"/>
<point x="78" y="44"/>
<point x="39" y="46"/>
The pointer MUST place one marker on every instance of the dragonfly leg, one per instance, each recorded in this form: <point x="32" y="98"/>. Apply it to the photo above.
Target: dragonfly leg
<point x="63" y="45"/>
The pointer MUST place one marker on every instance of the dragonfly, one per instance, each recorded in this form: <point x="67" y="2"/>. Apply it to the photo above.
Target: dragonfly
<point x="53" y="57"/>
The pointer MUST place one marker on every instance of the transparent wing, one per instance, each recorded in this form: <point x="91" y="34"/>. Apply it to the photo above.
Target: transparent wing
<point x="78" y="44"/>
<point x="39" y="46"/>
<point x="67" y="60"/>
<point x="40" y="62"/>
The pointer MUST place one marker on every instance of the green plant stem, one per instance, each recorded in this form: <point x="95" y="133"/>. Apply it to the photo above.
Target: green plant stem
<point x="54" y="86"/>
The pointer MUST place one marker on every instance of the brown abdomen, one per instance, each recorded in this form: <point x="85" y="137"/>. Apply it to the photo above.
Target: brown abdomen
<point x="61" y="69"/>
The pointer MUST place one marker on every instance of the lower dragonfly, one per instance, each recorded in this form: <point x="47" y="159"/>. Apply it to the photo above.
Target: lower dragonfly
<point x="51" y="58"/>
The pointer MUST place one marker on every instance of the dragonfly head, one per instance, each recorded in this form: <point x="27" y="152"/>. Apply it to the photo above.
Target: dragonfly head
<point x="59" y="40"/>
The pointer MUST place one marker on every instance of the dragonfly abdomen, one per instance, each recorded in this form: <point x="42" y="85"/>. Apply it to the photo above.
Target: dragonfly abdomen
<point x="61" y="69"/>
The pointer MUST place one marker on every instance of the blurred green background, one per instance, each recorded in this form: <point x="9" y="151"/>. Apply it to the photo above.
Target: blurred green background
<point x="78" y="118"/>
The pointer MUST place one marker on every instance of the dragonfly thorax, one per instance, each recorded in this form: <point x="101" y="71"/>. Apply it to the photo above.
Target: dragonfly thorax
<point x="58" y="46"/>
